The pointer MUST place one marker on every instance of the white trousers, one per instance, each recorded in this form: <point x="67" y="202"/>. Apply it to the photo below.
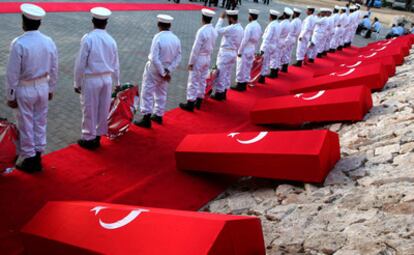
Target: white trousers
<point x="334" y="41"/>
<point x="196" y="85"/>
<point x="225" y="63"/>
<point x="287" y="54"/>
<point x="153" y="92"/>
<point x="303" y="48"/>
<point x="31" y="118"/>
<point x="96" y="103"/>
<point x="244" y="65"/>
<point x="267" y="56"/>
<point x="340" y="39"/>
<point x="276" y="56"/>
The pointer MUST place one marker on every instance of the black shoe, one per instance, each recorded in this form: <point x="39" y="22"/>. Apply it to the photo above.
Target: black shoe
<point x="285" y="68"/>
<point x="29" y="165"/>
<point x="331" y="50"/>
<point x="189" y="106"/>
<point x="274" y="73"/>
<point x="241" y="86"/>
<point x="219" y="96"/>
<point x="299" y="63"/>
<point x="311" y="60"/>
<point x="88" y="144"/>
<point x="262" y="79"/>
<point x="145" y="122"/>
<point x="98" y="141"/>
<point x="319" y="55"/>
<point x="198" y="103"/>
<point x="156" y="119"/>
<point x="39" y="160"/>
<point x="339" y="48"/>
<point x="324" y="53"/>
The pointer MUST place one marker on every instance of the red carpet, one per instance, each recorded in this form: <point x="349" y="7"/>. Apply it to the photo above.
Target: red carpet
<point x="14" y="7"/>
<point x="137" y="169"/>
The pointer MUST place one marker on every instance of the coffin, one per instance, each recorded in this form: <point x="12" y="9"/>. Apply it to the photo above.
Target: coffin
<point x="344" y="104"/>
<point x="99" y="228"/>
<point x="373" y="76"/>
<point x="305" y="156"/>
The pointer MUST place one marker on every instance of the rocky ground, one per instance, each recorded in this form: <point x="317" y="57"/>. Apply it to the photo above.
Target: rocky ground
<point x="365" y="206"/>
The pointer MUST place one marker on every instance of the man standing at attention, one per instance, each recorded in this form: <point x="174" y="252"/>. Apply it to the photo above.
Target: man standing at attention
<point x="285" y="28"/>
<point x="305" y="35"/>
<point x="295" y="28"/>
<point x="199" y="63"/>
<point x="164" y="57"/>
<point x="269" y="44"/>
<point x="227" y="55"/>
<point x="247" y="50"/>
<point x="31" y="78"/>
<point x="96" y="69"/>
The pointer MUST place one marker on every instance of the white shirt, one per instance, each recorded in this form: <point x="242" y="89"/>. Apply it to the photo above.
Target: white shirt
<point x="165" y="53"/>
<point x="335" y="18"/>
<point x="204" y="42"/>
<point x="270" y="36"/>
<point x="232" y="35"/>
<point x="295" y="27"/>
<point x="284" y="28"/>
<point x="251" y="36"/>
<point x="308" y="26"/>
<point x="33" y="55"/>
<point x="98" y="54"/>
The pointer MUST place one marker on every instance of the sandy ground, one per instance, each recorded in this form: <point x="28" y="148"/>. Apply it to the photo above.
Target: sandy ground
<point x="385" y="15"/>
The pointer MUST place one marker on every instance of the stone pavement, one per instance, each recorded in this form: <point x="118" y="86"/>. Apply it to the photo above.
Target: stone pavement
<point x="133" y="32"/>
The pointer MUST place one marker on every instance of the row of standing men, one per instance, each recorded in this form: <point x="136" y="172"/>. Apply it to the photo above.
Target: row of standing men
<point x="32" y="69"/>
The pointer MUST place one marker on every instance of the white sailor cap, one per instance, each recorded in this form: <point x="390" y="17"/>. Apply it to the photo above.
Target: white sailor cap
<point x="100" y="13"/>
<point x="310" y="7"/>
<point x="353" y="7"/>
<point x="254" y="11"/>
<point x="208" y="12"/>
<point x="32" y="11"/>
<point x="358" y="5"/>
<point x="337" y="7"/>
<point x="297" y="10"/>
<point x="232" y="12"/>
<point x="344" y="8"/>
<point x="274" y="12"/>
<point x="164" y="18"/>
<point x="288" y="11"/>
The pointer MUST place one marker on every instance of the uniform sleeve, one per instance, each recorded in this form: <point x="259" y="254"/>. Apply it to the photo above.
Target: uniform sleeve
<point x="199" y="40"/>
<point x="81" y="62"/>
<point x="174" y="64"/>
<point x="266" y="38"/>
<point x="219" y="27"/>
<point x="304" y="27"/>
<point x="13" y="70"/>
<point x="245" y="40"/>
<point x="116" y="73"/>
<point x="54" y="68"/>
<point x="155" y="57"/>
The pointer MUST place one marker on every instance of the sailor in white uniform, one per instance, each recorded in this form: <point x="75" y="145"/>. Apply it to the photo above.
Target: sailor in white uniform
<point x="318" y="36"/>
<point x="199" y="62"/>
<point x="346" y="25"/>
<point x="305" y="36"/>
<point x="31" y="78"/>
<point x="343" y="19"/>
<point x="295" y="29"/>
<point x="333" y="45"/>
<point x="268" y="48"/>
<point x="164" y="58"/>
<point x="247" y="50"/>
<point x="227" y="55"/>
<point x="328" y="32"/>
<point x="96" y="70"/>
<point x="285" y="28"/>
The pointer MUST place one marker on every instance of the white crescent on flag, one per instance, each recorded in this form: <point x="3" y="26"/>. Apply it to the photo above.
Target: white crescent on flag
<point x="343" y="74"/>
<point x="120" y="223"/>
<point x="317" y="95"/>
<point x="368" y="56"/>
<point x="256" y="139"/>
<point x="380" y="49"/>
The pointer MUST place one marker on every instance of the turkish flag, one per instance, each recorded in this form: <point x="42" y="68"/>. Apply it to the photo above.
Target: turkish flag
<point x="305" y="156"/>
<point x="344" y="104"/>
<point x="373" y="76"/>
<point x="342" y="66"/>
<point x="8" y="140"/>
<point x="256" y="69"/>
<point x="98" y="228"/>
